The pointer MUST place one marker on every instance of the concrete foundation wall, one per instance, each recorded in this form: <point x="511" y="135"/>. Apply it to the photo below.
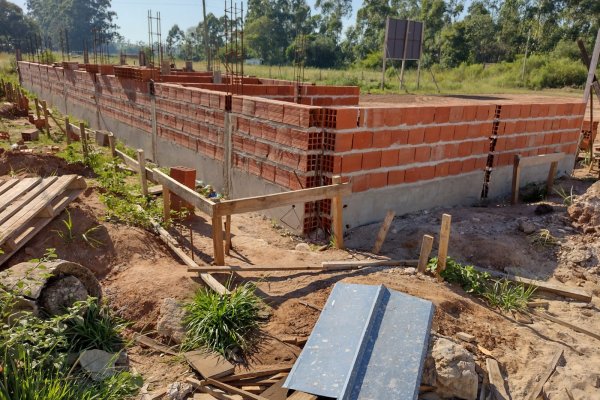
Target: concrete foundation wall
<point x="401" y="157"/>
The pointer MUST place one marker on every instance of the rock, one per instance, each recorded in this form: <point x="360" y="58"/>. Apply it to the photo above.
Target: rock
<point x="170" y="322"/>
<point x="304" y="247"/>
<point x="62" y="294"/>
<point x="585" y="210"/>
<point x="579" y="256"/>
<point x="454" y="373"/>
<point x="465" y="337"/>
<point x="527" y="227"/>
<point x="543" y="209"/>
<point x="178" y="390"/>
<point x="98" y="364"/>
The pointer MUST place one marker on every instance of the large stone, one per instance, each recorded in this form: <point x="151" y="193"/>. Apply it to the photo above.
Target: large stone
<point x="454" y="374"/>
<point x="61" y="294"/>
<point x="170" y="323"/>
<point x="98" y="364"/>
<point x="585" y="210"/>
<point x="178" y="390"/>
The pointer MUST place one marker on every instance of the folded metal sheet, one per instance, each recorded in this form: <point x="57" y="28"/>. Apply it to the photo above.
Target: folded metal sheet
<point x="369" y="343"/>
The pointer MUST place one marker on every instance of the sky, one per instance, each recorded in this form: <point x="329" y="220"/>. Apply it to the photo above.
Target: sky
<point x="132" y="15"/>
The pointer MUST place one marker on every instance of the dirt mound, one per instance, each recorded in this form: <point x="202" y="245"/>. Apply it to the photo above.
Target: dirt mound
<point x="585" y="210"/>
<point x="19" y="164"/>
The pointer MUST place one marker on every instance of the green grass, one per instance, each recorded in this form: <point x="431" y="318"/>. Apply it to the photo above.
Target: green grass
<point x="503" y="294"/>
<point x="223" y="323"/>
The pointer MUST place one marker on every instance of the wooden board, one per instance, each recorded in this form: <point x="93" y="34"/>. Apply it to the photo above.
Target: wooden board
<point x="25" y="215"/>
<point x="7" y="185"/>
<point x="209" y="365"/>
<point x="196" y="199"/>
<point x="565" y="291"/>
<point x="537" y="389"/>
<point x="444" y="242"/>
<point x="133" y="164"/>
<point x="259" y="203"/>
<point x="257" y="373"/>
<point x="234" y="390"/>
<point x="276" y="391"/>
<point x="541" y="159"/>
<point x="333" y="265"/>
<point x="497" y="386"/>
<point x="383" y="231"/>
<point x="426" y="247"/>
<point x="302" y="396"/>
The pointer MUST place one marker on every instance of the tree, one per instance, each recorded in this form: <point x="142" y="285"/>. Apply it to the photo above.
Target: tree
<point x="80" y="18"/>
<point x="332" y="13"/>
<point x="454" y="48"/>
<point x="480" y="34"/>
<point x="15" y="27"/>
<point x="175" y="37"/>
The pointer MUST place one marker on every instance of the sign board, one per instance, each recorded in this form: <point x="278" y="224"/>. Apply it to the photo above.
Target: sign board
<point x="403" y="39"/>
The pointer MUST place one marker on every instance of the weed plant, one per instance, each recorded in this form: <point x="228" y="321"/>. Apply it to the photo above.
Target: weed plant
<point x="567" y="198"/>
<point x="503" y="294"/>
<point x="223" y="323"/>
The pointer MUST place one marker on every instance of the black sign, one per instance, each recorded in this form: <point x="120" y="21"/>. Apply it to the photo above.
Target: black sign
<point x="403" y="39"/>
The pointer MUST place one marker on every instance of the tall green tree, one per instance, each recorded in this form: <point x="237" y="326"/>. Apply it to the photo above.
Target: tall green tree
<point x="331" y="18"/>
<point x="15" y="27"/>
<point x="81" y="18"/>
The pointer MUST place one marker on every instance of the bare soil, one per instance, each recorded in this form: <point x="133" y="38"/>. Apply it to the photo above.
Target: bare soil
<point x="137" y="272"/>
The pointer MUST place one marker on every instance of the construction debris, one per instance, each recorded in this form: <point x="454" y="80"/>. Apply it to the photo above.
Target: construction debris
<point x="170" y="323"/>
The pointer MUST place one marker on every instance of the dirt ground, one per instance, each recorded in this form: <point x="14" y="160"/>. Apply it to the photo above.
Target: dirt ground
<point x="137" y="272"/>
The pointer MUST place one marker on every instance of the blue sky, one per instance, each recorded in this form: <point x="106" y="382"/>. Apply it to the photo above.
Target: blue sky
<point x="133" y="22"/>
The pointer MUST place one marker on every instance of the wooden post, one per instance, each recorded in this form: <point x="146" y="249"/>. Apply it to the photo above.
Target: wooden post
<point x="46" y="117"/>
<point x="227" y="234"/>
<point x="166" y="204"/>
<point x="426" y="247"/>
<point x="68" y="130"/>
<point x="515" y="180"/>
<point x="112" y="145"/>
<point x="84" y="147"/>
<point x="142" y="163"/>
<point x="217" y="225"/>
<point x="551" y="175"/>
<point x="592" y="137"/>
<point x="37" y="108"/>
<point x="385" y="227"/>
<point x="337" y="211"/>
<point x="444" y="240"/>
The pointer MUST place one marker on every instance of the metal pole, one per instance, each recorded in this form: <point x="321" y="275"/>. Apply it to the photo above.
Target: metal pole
<point x="385" y="40"/>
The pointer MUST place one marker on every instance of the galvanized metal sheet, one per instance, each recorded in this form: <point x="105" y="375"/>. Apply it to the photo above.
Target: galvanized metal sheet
<point x="369" y="343"/>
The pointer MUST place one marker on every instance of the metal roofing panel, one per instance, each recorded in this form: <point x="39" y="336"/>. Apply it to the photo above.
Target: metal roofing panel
<point x="369" y="343"/>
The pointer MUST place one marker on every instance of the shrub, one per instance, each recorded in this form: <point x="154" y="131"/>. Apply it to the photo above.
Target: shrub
<point x="223" y="323"/>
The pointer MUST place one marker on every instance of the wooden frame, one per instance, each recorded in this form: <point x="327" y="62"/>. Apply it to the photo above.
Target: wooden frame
<point x="521" y="162"/>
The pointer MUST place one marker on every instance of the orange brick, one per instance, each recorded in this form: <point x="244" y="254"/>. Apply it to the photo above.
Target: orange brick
<point x="426" y="115"/>
<point x="389" y="158"/>
<point x="441" y="170"/>
<point x="432" y="134"/>
<point x="378" y="179"/>
<point x="442" y="114"/>
<point x="469" y="113"/>
<point x="461" y="132"/>
<point x="468" y="165"/>
<point x="411" y="175"/>
<point x="371" y="160"/>
<point x="268" y="172"/>
<point x="427" y="173"/>
<point x="375" y="117"/>
<point x="525" y="111"/>
<point x="337" y="164"/>
<point x="422" y="154"/>
<point x="282" y="177"/>
<point x="416" y="136"/>
<point x="456" y="114"/>
<point x="393" y="116"/>
<point x="483" y="113"/>
<point x="481" y="163"/>
<point x="406" y="155"/>
<point x="360" y="183"/>
<point x="346" y="118"/>
<point x="399" y="137"/>
<point x="382" y="139"/>
<point x="454" y="167"/>
<point x="480" y="147"/>
<point x="464" y="149"/>
<point x="396" y="177"/>
<point x="362" y="140"/>
<point x="343" y="142"/>
<point x="446" y="133"/>
<point x="451" y="150"/>
<point x="351" y="163"/>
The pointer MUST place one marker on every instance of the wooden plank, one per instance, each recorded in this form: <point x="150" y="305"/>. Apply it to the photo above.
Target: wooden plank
<point x="47" y="124"/>
<point x="337" y="212"/>
<point x="259" y="203"/>
<point x="7" y="185"/>
<point x="383" y="231"/>
<point x="541" y="159"/>
<point x="27" y="213"/>
<point x="134" y="165"/>
<point x="67" y="131"/>
<point x="209" y="365"/>
<point x="217" y="236"/>
<point x="592" y="68"/>
<point x="166" y="204"/>
<point x="537" y="389"/>
<point x="334" y="265"/>
<point x="565" y="291"/>
<point x="515" y="180"/>
<point x="187" y="194"/>
<point x="112" y="144"/>
<point x="426" y="247"/>
<point x="227" y="234"/>
<point x="21" y="201"/>
<point x="551" y="176"/>
<point x="257" y="373"/>
<point x="276" y="391"/>
<point x="142" y="171"/>
<point x="202" y="386"/>
<point x="234" y="390"/>
<point x="153" y="344"/>
<point x="444" y="241"/>
<point x="172" y="243"/>
<point x="497" y="386"/>
<point x="565" y="324"/>
<point x="17" y="190"/>
<point x="84" y="142"/>
<point x="302" y="396"/>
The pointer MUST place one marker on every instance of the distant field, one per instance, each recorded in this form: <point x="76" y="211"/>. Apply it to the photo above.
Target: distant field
<point x="474" y="79"/>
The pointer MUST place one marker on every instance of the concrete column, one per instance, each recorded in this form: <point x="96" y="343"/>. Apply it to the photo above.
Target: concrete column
<point x="154" y="127"/>
<point x="230" y="122"/>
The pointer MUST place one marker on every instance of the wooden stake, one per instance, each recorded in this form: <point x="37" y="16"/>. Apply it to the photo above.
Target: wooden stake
<point x="217" y="225"/>
<point x="227" y="234"/>
<point x="551" y="175"/>
<point x="84" y="146"/>
<point x="142" y="163"/>
<point x="515" y="180"/>
<point x="383" y="231"/>
<point x="112" y="145"/>
<point x="37" y="108"/>
<point x="337" y="211"/>
<point x="46" y="117"/>
<point x="426" y="247"/>
<point x="68" y="130"/>
<point x="496" y="380"/>
<point x="166" y="204"/>
<point x="444" y="240"/>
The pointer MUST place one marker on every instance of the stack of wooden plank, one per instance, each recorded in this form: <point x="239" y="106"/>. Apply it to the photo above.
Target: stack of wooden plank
<point x="27" y="205"/>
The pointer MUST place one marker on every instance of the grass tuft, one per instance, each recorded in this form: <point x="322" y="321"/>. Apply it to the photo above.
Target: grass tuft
<point x="223" y="323"/>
